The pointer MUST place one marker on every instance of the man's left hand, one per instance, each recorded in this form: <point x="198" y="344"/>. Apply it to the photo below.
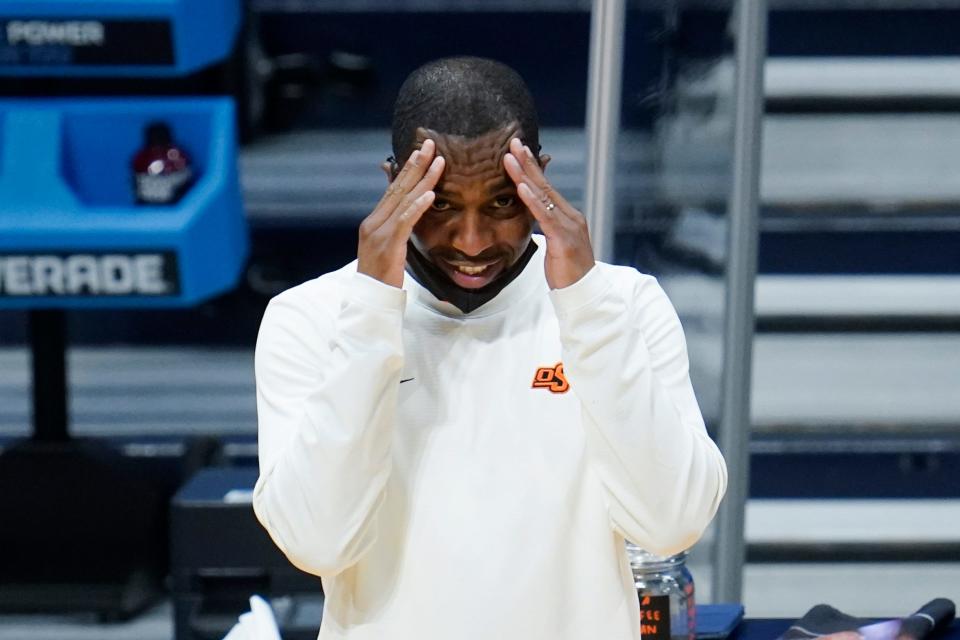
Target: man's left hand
<point x="569" y="254"/>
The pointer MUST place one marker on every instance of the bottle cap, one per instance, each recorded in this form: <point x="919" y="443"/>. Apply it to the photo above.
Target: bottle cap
<point x="158" y="134"/>
<point x="641" y="557"/>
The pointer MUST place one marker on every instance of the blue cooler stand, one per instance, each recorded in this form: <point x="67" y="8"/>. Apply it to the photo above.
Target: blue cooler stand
<point x="88" y="523"/>
<point x="85" y="525"/>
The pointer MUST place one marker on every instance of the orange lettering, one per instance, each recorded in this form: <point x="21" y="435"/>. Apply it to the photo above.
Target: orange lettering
<point x="551" y="378"/>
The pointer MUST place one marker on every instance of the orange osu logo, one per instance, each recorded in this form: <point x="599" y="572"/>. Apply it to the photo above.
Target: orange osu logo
<point x="551" y="378"/>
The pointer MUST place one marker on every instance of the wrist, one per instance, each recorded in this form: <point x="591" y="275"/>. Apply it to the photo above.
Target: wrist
<point x="390" y="279"/>
<point x="580" y="294"/>
<point x="374" y="292"/>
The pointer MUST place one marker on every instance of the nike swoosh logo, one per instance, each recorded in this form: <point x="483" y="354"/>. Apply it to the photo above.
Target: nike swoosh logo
<point x="407" y="380"/>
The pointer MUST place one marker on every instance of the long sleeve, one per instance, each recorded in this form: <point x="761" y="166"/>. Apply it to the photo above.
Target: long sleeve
<point x="327" y="383"/>
<point x="625" y="357"/>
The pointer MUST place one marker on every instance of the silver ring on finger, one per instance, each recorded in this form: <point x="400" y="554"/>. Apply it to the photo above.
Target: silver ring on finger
<point x="547" y="202"/>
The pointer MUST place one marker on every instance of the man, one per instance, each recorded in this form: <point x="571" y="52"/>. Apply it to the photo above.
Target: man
<point x="459" y="429"/>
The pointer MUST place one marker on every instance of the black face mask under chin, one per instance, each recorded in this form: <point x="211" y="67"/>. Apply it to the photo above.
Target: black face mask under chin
<point x="434" y="280"/>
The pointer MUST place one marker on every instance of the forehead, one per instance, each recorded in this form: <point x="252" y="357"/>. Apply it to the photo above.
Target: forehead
<point x="472" y="161"/>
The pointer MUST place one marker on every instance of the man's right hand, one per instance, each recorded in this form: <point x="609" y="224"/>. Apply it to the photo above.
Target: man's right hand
<point x="382" y="252"/>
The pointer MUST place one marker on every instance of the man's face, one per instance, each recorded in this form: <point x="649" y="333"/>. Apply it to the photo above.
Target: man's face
<point x="477" y="227"/>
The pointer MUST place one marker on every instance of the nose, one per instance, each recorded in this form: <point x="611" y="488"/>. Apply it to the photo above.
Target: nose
<point x="471" y="233"/>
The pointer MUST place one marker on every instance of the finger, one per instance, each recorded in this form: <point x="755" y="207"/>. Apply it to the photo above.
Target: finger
<point x="516" y="172"/>
<point x="513" y="168"/>
<point x="521" y="169"/>
<point x="411" y="173"/>
<point x="426" y="183"/>
<point x="527" y="160"/>
<point x="391" y="196"/>
<point x="409" y="217"/>
<point x="432" y="177"/>
<point x="537" y="201"/>
<point x="395" y="193"/>
<point x="532" y="169"/>
<point x="414" y="169"/>
<point x="549" y="223"/>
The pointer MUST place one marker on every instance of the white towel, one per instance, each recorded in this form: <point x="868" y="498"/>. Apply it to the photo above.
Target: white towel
<point x="257" y="624"/>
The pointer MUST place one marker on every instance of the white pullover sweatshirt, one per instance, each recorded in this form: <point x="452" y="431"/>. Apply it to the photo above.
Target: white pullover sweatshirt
<point x="449" y="479"/>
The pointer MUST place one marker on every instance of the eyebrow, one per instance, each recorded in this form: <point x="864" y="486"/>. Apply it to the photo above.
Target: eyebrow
<point x="504" y="183"/>
<point x="498" y="183"/>
<point x="496" y="191"/>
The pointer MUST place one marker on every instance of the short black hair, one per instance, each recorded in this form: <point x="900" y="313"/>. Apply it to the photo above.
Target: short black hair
<point x="464" y="96"/>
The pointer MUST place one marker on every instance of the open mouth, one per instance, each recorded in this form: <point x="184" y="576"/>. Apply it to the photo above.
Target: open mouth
<point x="471" y="275"/>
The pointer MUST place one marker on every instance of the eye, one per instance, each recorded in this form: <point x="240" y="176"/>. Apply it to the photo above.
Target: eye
<point x="440" y="205"/>
<point x="504" y="201"/>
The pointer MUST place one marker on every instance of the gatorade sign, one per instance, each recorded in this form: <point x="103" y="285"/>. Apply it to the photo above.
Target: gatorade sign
<point x="89" y="274"/>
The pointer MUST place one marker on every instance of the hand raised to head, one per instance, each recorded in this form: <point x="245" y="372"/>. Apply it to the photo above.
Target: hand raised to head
<point x="382" y="249"/>
<point x="569" y="254"/>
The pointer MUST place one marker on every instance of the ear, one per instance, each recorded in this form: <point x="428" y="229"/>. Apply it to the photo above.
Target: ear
<point x="389" y="168"/>
<point x="544" y="161"/>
